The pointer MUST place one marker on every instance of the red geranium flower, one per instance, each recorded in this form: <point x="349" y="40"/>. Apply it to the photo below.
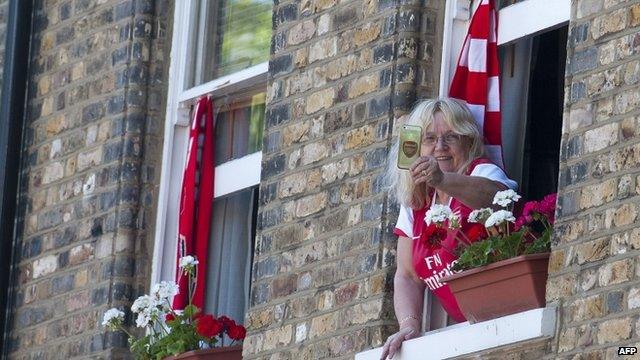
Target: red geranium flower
<point x="237" y="332"/>
<point x="208" y="326"/>
<point x="226" y="322"/>
<point x="433" y="236"/>
<point x="476" y="232"/>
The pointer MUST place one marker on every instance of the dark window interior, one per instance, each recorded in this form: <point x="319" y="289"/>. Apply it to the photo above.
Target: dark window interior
<point x="544" y="114"/>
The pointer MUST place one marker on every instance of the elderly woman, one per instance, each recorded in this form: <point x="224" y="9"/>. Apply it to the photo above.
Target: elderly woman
<point x="452" y="170"/>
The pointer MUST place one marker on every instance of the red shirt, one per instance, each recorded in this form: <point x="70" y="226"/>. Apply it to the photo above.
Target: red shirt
<point x="431" y="265"/>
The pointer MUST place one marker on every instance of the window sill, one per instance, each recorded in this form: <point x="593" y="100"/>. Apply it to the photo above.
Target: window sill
<point x="445" y="343"/>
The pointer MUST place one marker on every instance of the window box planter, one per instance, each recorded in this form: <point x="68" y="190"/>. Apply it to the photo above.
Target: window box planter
<point x="223" y="353"/>
<point x="502" y="288"/>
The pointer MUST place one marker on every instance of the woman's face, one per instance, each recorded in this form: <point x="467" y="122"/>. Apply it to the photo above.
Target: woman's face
<point x="440" y="141"/>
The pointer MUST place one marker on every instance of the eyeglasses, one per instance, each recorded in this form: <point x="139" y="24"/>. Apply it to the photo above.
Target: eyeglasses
<point x="447" y="139"/>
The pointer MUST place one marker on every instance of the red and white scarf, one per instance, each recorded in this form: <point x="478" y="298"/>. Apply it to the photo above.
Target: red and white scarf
<point x="477" y="77"/>
<point x="196" y="202"/>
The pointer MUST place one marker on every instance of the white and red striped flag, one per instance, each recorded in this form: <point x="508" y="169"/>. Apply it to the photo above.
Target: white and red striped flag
<point x="477" y="77"/>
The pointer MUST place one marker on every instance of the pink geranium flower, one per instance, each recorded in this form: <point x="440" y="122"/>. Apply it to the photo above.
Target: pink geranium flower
<point x="548" y="207"/>
<point x="526" y="217"/>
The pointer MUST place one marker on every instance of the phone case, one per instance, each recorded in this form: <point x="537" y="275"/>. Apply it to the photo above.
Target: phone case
<point x="410" y="140"/>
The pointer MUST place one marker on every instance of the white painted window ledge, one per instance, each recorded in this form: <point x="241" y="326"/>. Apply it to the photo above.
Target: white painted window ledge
<point x="464" y="338"/>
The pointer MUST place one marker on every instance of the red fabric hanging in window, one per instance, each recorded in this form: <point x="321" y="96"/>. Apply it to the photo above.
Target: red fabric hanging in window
<point x="196" y="201"/>
<point x="477" y="77"/>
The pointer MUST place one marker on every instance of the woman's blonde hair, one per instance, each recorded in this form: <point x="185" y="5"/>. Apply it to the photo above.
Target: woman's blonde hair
<point x="459" y="118"/>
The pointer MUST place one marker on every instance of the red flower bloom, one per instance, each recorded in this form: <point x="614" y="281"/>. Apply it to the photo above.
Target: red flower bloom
<point x="208" y="326"/>
<point x="226" y="322"/>
<point x="237" y="332"/>
<point x="433" y="236"/>
<point x="476" y="232"/>
<point x="169" y="317"/>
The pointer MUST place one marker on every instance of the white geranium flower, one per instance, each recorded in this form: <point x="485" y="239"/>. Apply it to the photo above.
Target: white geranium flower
<point x="480" y="215"/>
<point x="142" y="320"/>
<point x="188" y="261"/>
<point x="438" y="214"/>
<point x="499" y="217"/>
<point x="165" y="290"/>
<point x="143" y="304"/>
<point x="112" y="318"/>
<point x="506" y="197"/>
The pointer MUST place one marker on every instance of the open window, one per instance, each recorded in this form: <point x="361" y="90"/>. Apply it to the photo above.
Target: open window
<point x="220" y="49"/>
<point x="532" y="38"/>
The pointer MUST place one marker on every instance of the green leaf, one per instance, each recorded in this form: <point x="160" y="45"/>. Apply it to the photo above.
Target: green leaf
<point x="497" y="248"/>
<point x="176" y="347"/>
<point x="190" y="310"/>
<point x="541" y="244"/>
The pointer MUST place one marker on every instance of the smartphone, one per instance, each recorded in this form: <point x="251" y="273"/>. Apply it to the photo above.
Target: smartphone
<point x="410" y="140"/>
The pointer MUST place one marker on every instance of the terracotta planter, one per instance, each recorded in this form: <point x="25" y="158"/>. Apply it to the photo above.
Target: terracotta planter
<point x="224" y="353"/>
<point x="506" y="287"/>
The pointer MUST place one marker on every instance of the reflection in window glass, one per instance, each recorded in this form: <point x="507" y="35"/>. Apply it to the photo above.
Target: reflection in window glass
<point x="233" y="35"/>
<point x="504" y="3"/>
<point x="239" y="127"/>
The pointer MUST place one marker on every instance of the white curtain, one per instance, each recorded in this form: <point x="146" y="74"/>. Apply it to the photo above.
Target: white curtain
<point x="230" y="250"/>
<point x="515" y="62"/>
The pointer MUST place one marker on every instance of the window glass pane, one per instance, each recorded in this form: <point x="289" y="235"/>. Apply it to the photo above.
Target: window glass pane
<point x="230" y="254"/>
<point x="224" y="133"/>
<point x="239" y="126"/>
<point x="232" y="35"/>
<point x="256" y="122"/>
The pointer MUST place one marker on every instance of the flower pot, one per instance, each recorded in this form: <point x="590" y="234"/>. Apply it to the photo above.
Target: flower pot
<point x="503" y="288"/>
<point x="223" y="353"/>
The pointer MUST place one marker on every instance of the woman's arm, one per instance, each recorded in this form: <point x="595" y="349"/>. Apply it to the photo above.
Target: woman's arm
<point x="474" y="191"/>
<point x="408" y="292"/>
<point x="408" y="289"/>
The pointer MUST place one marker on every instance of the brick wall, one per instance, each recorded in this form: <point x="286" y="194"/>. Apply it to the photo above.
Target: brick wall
<point x="95" y="113"/>
<point x="594" y="265"/>
<point x="340" y="73"/>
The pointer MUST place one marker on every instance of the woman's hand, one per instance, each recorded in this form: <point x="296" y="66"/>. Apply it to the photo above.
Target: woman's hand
<point x="426" y="170"/>
<point x="394" y="342"/>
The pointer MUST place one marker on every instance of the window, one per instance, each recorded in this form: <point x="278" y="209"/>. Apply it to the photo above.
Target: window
<point x="233" y="35"/>
<point x="220" y="49"/>
<point x="239" y="127"/>
<point x="532" y="91"/>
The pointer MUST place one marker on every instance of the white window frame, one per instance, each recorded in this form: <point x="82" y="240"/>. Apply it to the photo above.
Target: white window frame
<point x="517" y="21"/>
<point x="466" y="339"/>
<point x="230" y="176"/>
